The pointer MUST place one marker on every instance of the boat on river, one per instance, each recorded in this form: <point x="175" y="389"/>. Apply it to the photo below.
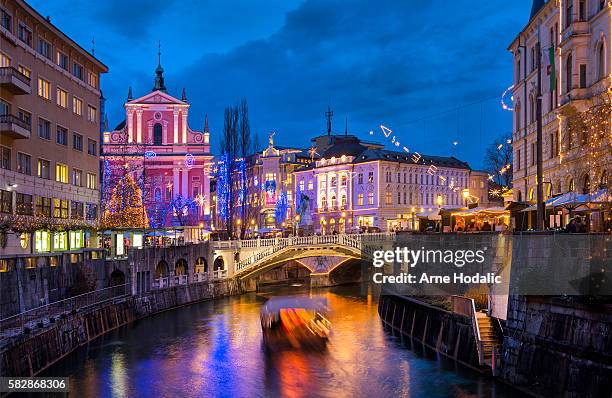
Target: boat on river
<point x="295" y="322"/>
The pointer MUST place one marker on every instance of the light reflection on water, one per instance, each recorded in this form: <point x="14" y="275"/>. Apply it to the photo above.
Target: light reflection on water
<point x="213" y="349"/>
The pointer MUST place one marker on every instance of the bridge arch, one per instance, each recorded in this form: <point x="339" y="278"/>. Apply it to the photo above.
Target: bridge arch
<point x="161" y="269"/>
<point x="180" y="268"/>
<point x="117" y="278"/>
<point x="219" y="264"/>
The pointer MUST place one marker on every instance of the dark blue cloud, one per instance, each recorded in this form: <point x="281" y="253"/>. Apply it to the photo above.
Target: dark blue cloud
<point x="387" y="62"/>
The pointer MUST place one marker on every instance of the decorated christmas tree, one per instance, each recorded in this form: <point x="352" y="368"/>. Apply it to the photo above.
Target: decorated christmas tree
<point x="125" y="208"/>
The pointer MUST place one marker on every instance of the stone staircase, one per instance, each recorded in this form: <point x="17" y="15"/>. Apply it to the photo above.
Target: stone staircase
<point x="489" y="339"/>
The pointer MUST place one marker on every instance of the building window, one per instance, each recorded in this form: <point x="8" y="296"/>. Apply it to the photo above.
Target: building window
<point x="43" y="88"/>
<point x="6" y="20"/>
<point x="91" y="211"/>
<point x="61" y="60"/>
<point x="91" y="181"/>
<point x="61" y="173"/>
<point x="302" y="185"/>
<point x="24" y="204"/>
<point x="61" y="136"/>
<point x="25" y="34"/>
<point x="518" y="159"/>
<point x="399" y="198"/>
<point x="583" y="75"/>
<point x="92" y="147"/>
<point x="25" y="117"/>
<point x="43" y="206"/>
<point x="157" y="135"/>
<point x="343" y="201"/>
<point x="77" y="141"/>
<point x="92" y="79"/>
<point x="61" y="97"/>
<point x="60" y="208"/>
<point x="92" y="113"/>
<point x="343" y="180"/>
<point x="602" y="4"/>
<point x="569" y="13"/>
<point x="77" y="106"/>
<point x="24" y="71"/>
<point x="6" y="201"/>
<point x="310" y="185"/>
<point x="77" y="177"/>
<point x="44" y="169"/>
<point x="44" y="48"/>
<point x="370" y="198"/>
<point x="77" y="71"/>
<point x="333" y="182"/>
<point x="76" y="210"/>
<point x="582" y="10"/>
<point x="360" y="178"/>
<point x="568" y="74"/>
<point x="24" y="163"/>
<point x="323" y="202"/>
<point x="5" y="61"/>
<point x="44" y="129"/>
<point x="533" y="153"/>
<point x="601" y="62"/>
<point x="5" y="158"/>
<point x="371" y="176"/>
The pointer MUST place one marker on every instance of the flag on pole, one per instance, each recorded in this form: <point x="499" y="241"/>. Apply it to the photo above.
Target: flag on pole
<point x="553" y="74"/>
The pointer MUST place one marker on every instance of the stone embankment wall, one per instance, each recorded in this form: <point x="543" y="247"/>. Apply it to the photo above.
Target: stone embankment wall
<point x="558" y="347"/>
<point x="29" y="354"/>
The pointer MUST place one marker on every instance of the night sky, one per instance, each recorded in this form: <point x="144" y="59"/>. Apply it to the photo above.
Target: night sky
<point x="414" y="66"/>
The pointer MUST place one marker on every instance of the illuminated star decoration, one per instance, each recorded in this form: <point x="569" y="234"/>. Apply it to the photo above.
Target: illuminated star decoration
<point x="505" y="106"/>
<point x="312" y="152"/>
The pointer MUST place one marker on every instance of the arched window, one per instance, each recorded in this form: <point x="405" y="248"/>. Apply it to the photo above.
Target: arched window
<point x="532" y="109"/>
<point x="517" y="112"/>
<point x="323" y="202"/>
<point x="586" y="184"/>
<point x="333" y="201"/>
<point x="519" y="196"/>
<point x="157" y="134"/>
<point x="530" y="195"/>
<point x="601" y="62"/>
<point x="343" y="201"/>
<point x="570" y="185"/>
<point x="568" y="74"/>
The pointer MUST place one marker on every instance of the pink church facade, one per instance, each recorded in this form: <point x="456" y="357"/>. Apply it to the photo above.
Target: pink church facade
<point x="169" y="160"/>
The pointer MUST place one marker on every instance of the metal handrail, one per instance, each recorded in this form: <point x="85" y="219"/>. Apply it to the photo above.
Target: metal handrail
<point x="65" y="305"/>
<point x="16" y="120"/>
<point x="477" y="333"/>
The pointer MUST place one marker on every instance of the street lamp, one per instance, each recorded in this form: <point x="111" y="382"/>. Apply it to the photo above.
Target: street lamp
<point x="297" y="222"/>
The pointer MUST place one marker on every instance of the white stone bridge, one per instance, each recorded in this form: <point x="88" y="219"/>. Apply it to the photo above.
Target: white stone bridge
<point x="246" y="259"/>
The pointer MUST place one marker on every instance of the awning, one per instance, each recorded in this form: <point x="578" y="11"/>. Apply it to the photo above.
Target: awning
<point x="430" y="215"/>
<point x="485" y="211"/>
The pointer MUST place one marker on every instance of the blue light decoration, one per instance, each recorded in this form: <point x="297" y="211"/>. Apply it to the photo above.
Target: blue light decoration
<point x="242" y="193"/>
<point x="223" y="181"/>
<point x="281" y="207"/>
<point x="270" y="191"/>
<point x="150" y="154"/>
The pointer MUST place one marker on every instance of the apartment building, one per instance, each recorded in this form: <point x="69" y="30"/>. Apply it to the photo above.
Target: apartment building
<point x="49" y="133"/>
<point x="575" y="36"/>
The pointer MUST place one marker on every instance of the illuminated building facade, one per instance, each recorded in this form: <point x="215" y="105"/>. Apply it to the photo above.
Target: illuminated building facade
<point x="170" y="161"/>
<point x="50" y="105"/>
<point x="575" y="35"/>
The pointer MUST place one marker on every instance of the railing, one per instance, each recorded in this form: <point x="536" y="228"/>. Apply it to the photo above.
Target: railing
<point x="466" y="307"/>
<point x="14" y="119"/>
<point x="64" y="306"/>
<point x="199" y="277"/>
<point x="220" y="274"/>
<point x="351" y="240"/>
<point x="12" y="72"/>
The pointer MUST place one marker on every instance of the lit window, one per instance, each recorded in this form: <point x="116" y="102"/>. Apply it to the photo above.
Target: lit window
<point x="61" y="60"/>
<point x="60" y="208"/>
<point x="92" y="113"/>
<point x="91" y="181"/>
<point x="24" y="71"/>
<point x="62" y="97"/>
<point x="77" y="106"/>
<point x="43" y="88"/>
<point x="370" y="198"/>
<point x="77" y="177"/>
<point x="92" y="79"/>
<point x="61" y="173"/>
<point x="4" y="60"/>
<point x="42" y="241"/>
<point x="43" y="207"/>
<point x="360" y="199"/>
<point x="44" y="169"/>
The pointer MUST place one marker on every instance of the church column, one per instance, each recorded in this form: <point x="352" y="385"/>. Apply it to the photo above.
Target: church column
<point x="175" y="124"/>
<point x="175" y="181"/>
<point x="206" y="190"/>
<point x="139" y="125"/>
<point x="130" y="124"/>
<point x="184" y="183"/>
<point x="184" y="126"/>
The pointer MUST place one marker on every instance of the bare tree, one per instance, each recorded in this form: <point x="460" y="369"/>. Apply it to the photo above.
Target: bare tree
<point x="498" y="160"/>
<point x="230" y="151"/>
<point x="244" y="132"/>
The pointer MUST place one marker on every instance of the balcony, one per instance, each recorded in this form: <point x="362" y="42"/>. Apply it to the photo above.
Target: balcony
<point x="576" y="28"/>
<point x="14" y="127"/>
<point x="14" y="81"/>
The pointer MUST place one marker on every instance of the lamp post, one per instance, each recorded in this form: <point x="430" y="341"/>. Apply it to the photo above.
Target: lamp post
<point x="297" y="222"/>
<point x="439" y="202"/>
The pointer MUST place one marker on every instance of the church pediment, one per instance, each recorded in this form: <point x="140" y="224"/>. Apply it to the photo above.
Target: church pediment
<point x="157" y="97"/>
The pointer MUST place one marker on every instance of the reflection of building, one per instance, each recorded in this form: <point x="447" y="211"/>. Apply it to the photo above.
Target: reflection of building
<point x="573" y="160"/>
<point x="49" y="133"/>
<point x="166" y="156"/>
<point x="356" y="184"/>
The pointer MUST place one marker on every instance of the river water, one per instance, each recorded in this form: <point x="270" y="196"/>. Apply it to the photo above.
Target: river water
<point x="213" y="349"/>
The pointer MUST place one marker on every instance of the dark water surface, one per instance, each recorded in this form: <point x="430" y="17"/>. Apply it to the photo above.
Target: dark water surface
<point x="213" y="349"/>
